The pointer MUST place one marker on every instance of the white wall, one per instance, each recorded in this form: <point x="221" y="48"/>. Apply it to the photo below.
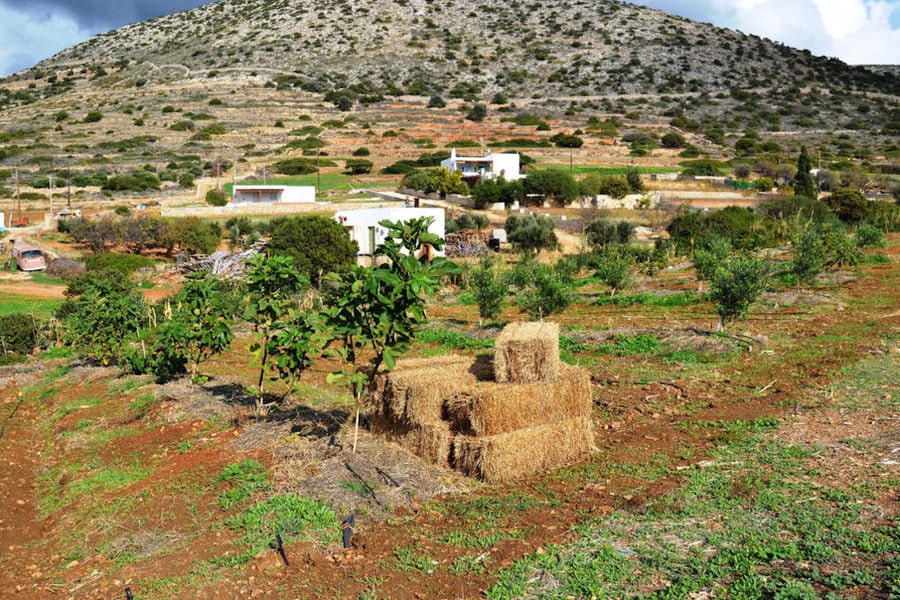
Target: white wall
<point x="273" y="193"/>
<point x="360" y="221"/>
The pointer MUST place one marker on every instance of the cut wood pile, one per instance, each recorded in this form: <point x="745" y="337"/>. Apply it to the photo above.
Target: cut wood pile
<point x="498" y="420"/>
<point x="229" y="265"/>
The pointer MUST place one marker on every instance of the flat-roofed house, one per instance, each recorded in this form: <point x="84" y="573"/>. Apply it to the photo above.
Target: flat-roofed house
<point x="505" y="165"/>
<point x="272" y="194"/>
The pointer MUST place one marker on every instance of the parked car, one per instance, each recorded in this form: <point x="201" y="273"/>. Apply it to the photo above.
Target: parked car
<point x="67" y="213"/>
<point x="28" y="257"/>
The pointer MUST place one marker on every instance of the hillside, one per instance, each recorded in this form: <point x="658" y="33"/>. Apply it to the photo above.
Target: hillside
<point x="226" y="81"/>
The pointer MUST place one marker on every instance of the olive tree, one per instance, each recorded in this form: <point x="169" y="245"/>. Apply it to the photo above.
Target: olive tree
<point x="736" y="285"/>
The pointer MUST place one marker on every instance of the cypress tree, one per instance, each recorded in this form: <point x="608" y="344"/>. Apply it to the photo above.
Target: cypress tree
<point x="803" y="181"/>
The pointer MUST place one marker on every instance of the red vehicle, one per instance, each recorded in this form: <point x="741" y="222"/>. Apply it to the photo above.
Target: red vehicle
<point x="28" y="257"/>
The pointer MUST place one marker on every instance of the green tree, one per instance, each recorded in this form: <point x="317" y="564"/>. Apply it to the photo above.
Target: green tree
<point x="602" y="232"/>
<point x="317" y="245"/>
<point x="490" y="190"/>
<point x="736" y="285"/>
<point x="803" y="181"/>
<point x="490" y="290"/>
<point x="810" y="255"/>
<point x="544" y="290"/>
<point x="567" y="140"/>
<point x="200" y="327"/>
<point x="708" y="256"/>
<point x="435" y="180"/>
<point x="477" y="113"/>
<point x="850" y="206"/>
<point x="672" y="139"/>
<point x="614" y="269"/>
<point x="272" y="285"/>
<point x="615" y="186"/>
<point x="196" y="236"/>
<point x="558" y="186"/>
<point x="589" y="185"/>
<point x="104" y="311"/>
<point x="379" y="310"/>
<point x="358" y="166"/>
<point x="633" y="176"/>
<point x="531" y="233"/>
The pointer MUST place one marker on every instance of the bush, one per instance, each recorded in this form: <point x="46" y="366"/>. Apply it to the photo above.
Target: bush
<point x="603" y="232"/>
<point x="531" y="233"/>
<point x="672" y="139"/>
<point x="615" y="186"/>
<point x="18" y="333"/>
<point x="216" y="198"/>
<point x="361" y="151"/>
<point x="358" y="166"/>
<point x="125" y="264"/>
<point x="566" y="140"/>
<point x="317" y="244"/>
<point x="93" y="116"/>
<point x="295" y="166"/>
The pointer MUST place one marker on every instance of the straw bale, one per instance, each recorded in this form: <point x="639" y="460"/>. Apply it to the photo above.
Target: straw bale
<point x="507" y="457"/>
<point x="432" y="442"/>
<point x="415" y="394"/>
<point x="490" y="408"/>
<point x="526" y="352"/>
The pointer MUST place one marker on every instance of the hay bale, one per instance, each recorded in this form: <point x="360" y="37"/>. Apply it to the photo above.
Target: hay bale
<point x="415" y="392"/>
<point x="432" y="442"/>
<point x="507" y="457"/>
<point x="490" y="408"/>
<point x="526" y="352"/>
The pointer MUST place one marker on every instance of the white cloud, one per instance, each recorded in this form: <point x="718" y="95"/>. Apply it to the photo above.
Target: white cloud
<point x="29" y="38"/>
<point x="856" y="31"/>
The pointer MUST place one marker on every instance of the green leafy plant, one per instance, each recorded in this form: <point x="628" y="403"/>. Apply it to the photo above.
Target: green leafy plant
<point x="380" y="309"/>
<point x="736" y="285"/>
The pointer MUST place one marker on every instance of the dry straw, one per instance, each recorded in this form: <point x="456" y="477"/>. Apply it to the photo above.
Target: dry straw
<point x="527" y="352"/>
<point x="414" y="393"/>
<point x="507" y="457"/>
<point x="432" y="442"/>
<point x="490" y="408"/>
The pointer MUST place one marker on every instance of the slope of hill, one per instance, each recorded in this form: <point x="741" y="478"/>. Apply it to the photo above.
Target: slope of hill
<point x="214" y="81"/>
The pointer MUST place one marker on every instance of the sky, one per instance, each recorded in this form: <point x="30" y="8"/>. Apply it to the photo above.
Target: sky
<point x="855" y="31"/>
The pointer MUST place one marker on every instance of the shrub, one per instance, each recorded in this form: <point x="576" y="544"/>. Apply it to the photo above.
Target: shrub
<point x="125" y="264"/>
<point x="295" y="166"/>
<point x="93" y="116"/>
<point x="531" y="233"/>
<point x="317" y="244"/>
<point x="672" y="139"/>
<point x="18" y="333"/>
<point x="358" y="166"/>
<point x="361" y="151"/>
<point x="216" y="198"/>
<point x="736" y="285"/>
<point x="566" y="140"/>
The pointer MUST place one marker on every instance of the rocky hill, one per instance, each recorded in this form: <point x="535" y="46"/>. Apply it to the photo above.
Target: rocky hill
<point x="224" y="74"/>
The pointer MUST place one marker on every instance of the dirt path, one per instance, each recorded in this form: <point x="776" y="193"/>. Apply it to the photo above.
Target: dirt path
<point x="21" y="284"/>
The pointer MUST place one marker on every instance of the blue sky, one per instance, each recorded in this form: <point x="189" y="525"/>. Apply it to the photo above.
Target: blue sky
<point x="856" y="31"/>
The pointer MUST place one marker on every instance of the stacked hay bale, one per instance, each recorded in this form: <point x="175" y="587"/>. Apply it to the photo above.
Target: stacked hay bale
<point x="499" y="422"/>
<point x="407" y="404"/>
<point x="536" y="415"/>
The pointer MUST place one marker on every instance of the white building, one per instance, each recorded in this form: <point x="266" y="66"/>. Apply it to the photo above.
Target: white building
<point x="271" y="194"/>
<point x="505" y="165"/>
<point x="364" y="228"/>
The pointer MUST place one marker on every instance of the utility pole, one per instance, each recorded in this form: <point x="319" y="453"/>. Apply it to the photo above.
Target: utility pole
<point x="51" y="195"/>
<point x="69" y="187"/>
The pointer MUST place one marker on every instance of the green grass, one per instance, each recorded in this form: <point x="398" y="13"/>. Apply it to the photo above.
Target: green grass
<point x="41" y="308"/>
<point x="291" y="516"/>
<point x="646" y="299"/>
<point x="243" y="479"/>
<point x="452" y="339"/>
<point x="408" y="560"/>
<point x="604" y="171"/>
<point x="755" y="521"/>
<point x="324" y="182"/>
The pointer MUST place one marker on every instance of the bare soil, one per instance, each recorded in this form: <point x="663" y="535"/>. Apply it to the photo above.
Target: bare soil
<point x="788" y="362"/>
